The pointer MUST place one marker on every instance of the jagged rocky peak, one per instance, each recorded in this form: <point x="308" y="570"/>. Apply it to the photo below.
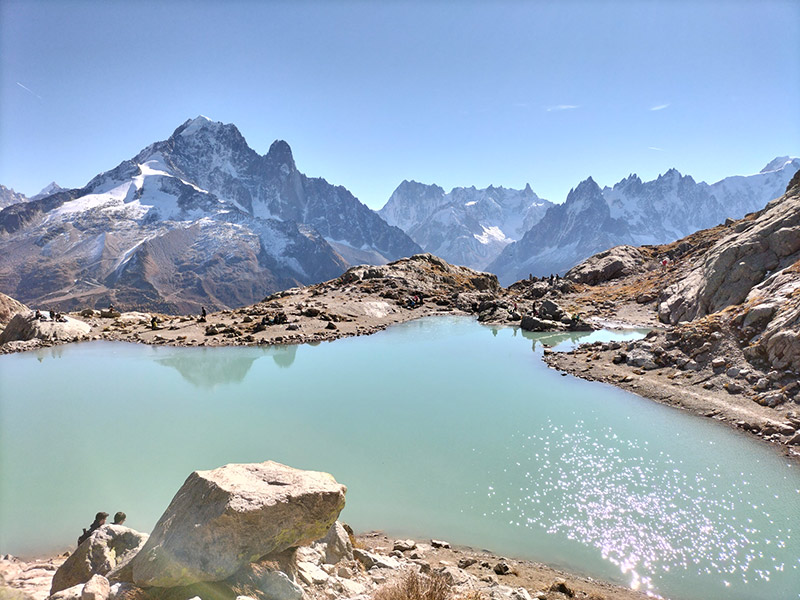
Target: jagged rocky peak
<point x="49" y="189"/>
<point x="280" y="154"/>
<point x="197" y="125"/>
<point x="586" y="190"/>
<point x="8" y="197"/>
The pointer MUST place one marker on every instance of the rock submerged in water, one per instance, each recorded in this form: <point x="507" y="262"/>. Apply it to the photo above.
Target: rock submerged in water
<point x="221" y="520"/>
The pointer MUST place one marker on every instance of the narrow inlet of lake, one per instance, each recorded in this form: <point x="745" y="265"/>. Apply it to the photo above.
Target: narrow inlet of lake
<point x="440" y="428"/>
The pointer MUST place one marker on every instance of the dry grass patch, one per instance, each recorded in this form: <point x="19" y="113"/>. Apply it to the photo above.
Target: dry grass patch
<point x="415" y="586"/>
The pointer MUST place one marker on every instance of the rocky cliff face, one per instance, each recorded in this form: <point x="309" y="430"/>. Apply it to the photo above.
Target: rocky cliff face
<point x="635" y="212"/>
<point x="197" y="219"/>
<point x="753" y="273"/>
<point x="466" y="226"/>
<point x="8" y="197"/>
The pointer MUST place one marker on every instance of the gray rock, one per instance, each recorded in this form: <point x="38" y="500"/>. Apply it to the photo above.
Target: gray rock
<point x="440" y="544"/>
<point x="23" y="326"/>
<point x="550" y="310"/>
<point x="638" y="357"/>
<point x="405" y="545"/>
<point x="97" y="588"/>
<point x="530" y="323"/>
<point x="733" y="372"/>
<point x="718" y="363"/>
<point x="337" y="544"/>
<point x="121" y="591"/>
<point x="372" y="560"/>
<point x="109" y="548"/>
<point x="221" y="520"/>
<point x="272" y="583"/>
<point x="762" y="384"/>
<point x="618" y="261"/>
<point x="71" y="593"/>
<point x="733" y="387"/>
<point x="502" y="568"/>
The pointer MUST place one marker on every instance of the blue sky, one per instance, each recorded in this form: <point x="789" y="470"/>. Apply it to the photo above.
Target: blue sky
<point x="371" y="93"/>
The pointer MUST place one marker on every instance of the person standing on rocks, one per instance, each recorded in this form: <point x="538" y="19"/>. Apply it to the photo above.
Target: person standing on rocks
<point x="99" y="521"/>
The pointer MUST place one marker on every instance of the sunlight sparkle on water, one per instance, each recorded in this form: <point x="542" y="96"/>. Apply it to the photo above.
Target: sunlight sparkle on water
<point x="634" y="506"/>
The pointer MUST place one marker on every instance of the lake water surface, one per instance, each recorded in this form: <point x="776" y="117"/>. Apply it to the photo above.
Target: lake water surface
<point x="439" y="427"/>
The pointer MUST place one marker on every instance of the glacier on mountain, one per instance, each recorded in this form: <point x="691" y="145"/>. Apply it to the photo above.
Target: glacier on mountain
<point x="199" y="219"/>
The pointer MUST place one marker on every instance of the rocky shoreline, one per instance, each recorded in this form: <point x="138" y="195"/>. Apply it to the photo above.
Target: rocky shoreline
<point x="266" y="531"/>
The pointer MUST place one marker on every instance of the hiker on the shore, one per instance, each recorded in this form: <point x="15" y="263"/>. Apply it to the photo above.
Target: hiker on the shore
<point x="99" y="521"/>
<point x="202" y="314"/>
<point x="119" y="518"/>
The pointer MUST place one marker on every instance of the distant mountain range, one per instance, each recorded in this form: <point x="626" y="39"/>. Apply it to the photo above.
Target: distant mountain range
<point x="466" y="226"/>
<point x="636" y="212"/>
<point x="197" y="219"/>
<point x="201" y="219"/>
<point x="514" y="233"/>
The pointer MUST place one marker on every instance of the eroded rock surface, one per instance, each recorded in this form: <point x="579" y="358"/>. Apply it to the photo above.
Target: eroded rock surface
<point x="221" y="520"/>
<point x="108" y="548"/>
<point x="615" y="262"/>
<point x="24" y="326"/>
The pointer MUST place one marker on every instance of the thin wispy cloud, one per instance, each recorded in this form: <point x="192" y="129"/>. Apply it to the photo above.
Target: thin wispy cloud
<point x="559" y="107"/>
<point x="659" y="106"/>
<point x="29" y="90"/>
<point x="656" y="149"/>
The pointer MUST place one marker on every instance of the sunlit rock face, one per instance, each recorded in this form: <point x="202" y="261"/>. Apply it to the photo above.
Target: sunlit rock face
<point x="221" y="520"/>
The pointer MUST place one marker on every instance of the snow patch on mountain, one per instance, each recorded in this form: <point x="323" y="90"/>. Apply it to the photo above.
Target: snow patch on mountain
<point x="466" y="226"/>
<point x="636" y="213"/>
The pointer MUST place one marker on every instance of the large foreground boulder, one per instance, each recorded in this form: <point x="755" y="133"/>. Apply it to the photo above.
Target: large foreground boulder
<point x="108" y="548"/>
<point x="221" y="520"/>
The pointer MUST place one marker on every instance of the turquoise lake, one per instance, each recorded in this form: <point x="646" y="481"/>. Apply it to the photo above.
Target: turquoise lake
<point x="440" y="428"/>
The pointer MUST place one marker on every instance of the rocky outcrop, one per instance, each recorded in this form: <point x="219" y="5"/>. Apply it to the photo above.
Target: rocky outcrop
<point x="221" y="520"/>
<point x="754" y="272"/>
<point x="614" y="263"/>
<point x="25" y="326"/>
<point x="110" y="547"/>
<point x="8" y="308"/>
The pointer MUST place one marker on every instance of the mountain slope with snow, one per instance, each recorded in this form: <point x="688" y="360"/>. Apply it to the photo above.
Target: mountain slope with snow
<point x="466" y="226"/>
<point x="8" y="197"/>
<point x="636" y="213"/>
<point x="199" y="219"/>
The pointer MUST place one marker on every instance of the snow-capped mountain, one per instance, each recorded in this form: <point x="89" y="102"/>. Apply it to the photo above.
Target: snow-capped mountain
<point x="48" y="190"/>
<point x="197" y="219"/>
<point x="8" y="197"/>
<point x="636" y="212"/>
<point x="466" y="226"/>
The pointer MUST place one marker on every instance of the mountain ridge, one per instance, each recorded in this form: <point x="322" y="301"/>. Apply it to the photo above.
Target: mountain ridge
<point x="197" y="219"/>
<point x="634" y="212"/>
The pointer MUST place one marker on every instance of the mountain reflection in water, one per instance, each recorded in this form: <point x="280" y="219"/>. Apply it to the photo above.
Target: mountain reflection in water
<point x="208" y="367"/>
